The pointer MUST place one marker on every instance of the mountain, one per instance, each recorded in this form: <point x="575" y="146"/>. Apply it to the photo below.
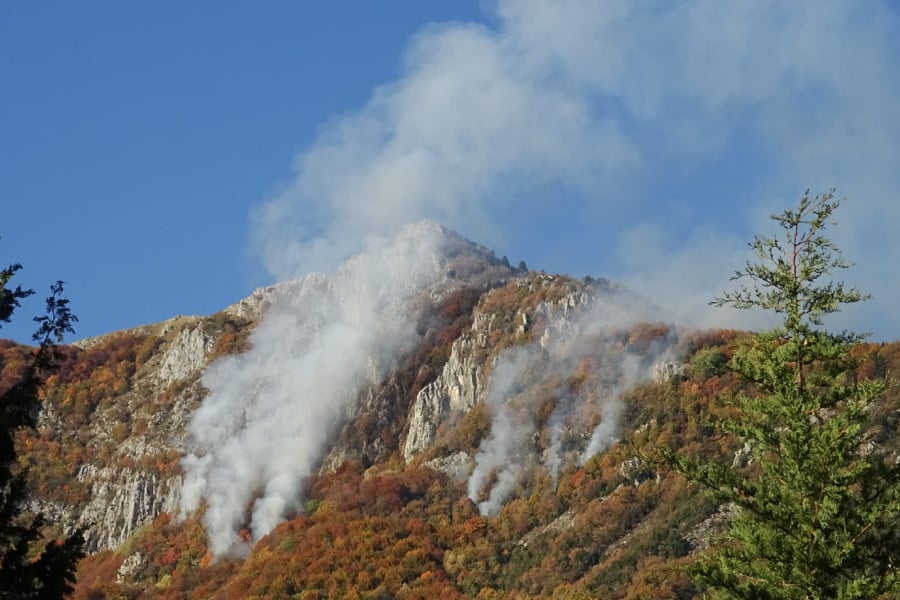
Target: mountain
<point x="425" y="421"/>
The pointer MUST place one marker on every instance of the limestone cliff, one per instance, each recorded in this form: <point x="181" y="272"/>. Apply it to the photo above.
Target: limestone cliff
<point x="457" y="389"/>
<point x="107" y="459"/>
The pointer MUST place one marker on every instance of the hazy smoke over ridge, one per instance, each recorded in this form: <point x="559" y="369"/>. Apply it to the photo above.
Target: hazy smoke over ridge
<point x="585" y="101"/>
<point x="270" y="411"/>
<point x="518" y="386"/>
<point x="589" y="117"/>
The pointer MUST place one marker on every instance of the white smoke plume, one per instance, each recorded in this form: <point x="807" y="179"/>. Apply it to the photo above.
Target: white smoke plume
<point x="591" y="120"/>
<point x="605" y="433"/>
<point x="269" y="413"/>
<point x="569" y="115"/>
<point x="518" y="386"/>
<point x="500" y="453"/>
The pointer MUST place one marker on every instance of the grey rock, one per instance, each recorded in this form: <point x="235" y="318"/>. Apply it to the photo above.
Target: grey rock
<point x="458" y="388"/>
<point x="664" y="372"/>
<point x="186" y="355"/>
<point x="122" y="502"/>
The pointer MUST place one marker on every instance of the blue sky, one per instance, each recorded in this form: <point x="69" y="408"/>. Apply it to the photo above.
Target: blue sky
<point x="168" y="158"/>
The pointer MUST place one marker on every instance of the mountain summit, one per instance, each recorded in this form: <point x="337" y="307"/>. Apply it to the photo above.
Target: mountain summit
<point x="424" y="421"/>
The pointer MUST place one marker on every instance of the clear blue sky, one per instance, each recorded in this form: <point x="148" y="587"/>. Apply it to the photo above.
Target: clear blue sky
<point x="160" y="157"/>
<point x="136" y="138"/>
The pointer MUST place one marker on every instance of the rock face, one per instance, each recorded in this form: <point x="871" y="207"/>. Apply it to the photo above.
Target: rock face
<point x="185" y="355"/>
<point x="461" y="383"/>
<point x="664" y="372"/>
<point x="122" y="501"/>
<point x="458" y="388"/>
<point x="123" y="455"/>
<point x="254" y="306"/>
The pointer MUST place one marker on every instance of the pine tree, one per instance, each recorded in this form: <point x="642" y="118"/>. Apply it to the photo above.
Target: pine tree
<point x="818" y="507"/>
<point x="22" y="574"/>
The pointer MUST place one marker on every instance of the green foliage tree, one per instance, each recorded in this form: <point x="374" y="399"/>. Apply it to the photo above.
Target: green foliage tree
<point x="818" y="504"/>
<point x="26" y="572"/>
<point x="709" y="363"/>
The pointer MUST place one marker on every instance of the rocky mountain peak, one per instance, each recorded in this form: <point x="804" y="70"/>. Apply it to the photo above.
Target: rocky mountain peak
<point x="426" y="353"/>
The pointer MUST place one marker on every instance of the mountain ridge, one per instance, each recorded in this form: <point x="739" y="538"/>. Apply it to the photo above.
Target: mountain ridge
<point x="484" y="430"/>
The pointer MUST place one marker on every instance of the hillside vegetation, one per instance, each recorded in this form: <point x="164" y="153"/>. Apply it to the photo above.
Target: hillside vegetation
<point x="511" y="448"/>
<point x="616" y="527"/>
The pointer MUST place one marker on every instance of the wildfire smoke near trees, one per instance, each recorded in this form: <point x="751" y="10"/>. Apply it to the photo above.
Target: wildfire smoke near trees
<point x="733" y="412"/>
<point x="356" y="399"/>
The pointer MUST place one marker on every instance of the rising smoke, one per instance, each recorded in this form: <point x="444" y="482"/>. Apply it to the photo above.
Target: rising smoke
<point x="269" y="413"/>
<point x="528" y="375"/>
<point x="589" y="118"/>
<point x="589" y="99"/>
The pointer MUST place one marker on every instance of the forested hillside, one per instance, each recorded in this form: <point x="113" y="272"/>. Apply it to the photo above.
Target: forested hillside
<point x="509" y="447"/>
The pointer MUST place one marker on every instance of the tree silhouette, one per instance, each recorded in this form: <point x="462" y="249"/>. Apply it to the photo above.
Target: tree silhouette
<point x="25" y="571"/>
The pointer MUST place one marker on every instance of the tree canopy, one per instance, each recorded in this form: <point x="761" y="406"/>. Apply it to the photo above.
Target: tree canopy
<point x="819" y="500"/>
<point x="27" y="571"/>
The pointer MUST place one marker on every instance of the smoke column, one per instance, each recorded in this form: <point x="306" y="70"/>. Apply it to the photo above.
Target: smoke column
<point x="270" y="411"/>
<point x="560" y="111"/>
<point x="501" y="451"/>
<point x="509" y="451"/>
<point x="588" y="118"/>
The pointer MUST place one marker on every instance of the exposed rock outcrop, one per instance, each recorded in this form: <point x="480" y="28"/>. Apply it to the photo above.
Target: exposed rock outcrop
<point x="122" y="501"/>
<point x="185" y="355"/>
<point x="457" y="465"/>
<point x="700" y="537"/>
<point x="461" y="385"/>
<point x="664" y="372"/>
<point x="458" y="388"/>
<point x="129" y="473"/>
<point x="254" y="306"/>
